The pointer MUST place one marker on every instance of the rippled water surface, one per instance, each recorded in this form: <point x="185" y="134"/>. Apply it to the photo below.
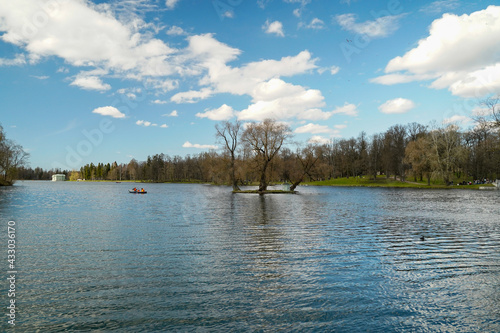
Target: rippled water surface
<point x="91" y="256"/>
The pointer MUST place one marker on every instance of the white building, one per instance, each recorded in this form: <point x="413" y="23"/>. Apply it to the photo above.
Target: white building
<point x="58" y="177"/>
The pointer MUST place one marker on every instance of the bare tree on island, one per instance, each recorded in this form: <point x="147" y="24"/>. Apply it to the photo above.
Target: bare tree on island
<point x="265" y="140"/>
<point x="229" y="133"/>
<point x="305" y="159"/>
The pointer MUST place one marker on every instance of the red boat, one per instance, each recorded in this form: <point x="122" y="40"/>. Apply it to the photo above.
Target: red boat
<point x="137" y="191"/>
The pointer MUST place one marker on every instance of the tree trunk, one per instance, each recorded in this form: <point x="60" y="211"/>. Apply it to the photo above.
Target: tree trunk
<point x="295" y="184"/>
<point x="234" y="181"/>
<point x="263" y="181"/>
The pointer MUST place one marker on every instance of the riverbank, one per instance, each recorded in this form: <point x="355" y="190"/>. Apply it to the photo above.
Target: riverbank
<point x="389" y="182"/>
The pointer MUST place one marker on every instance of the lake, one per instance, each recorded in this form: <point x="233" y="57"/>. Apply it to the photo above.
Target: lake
<point x="189" y="257"/>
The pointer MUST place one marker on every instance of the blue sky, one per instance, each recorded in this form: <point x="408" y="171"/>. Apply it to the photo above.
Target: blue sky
<point x="110" y="81"/>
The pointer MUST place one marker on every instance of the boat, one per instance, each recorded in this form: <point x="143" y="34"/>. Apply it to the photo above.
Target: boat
<point x="139" y="192"/>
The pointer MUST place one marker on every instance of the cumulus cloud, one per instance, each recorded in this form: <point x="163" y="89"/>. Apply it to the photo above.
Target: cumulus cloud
<point x="313" y="129"/>
<point x="175" y="31"/>
<point x="94" y="37"/>
<point x="83" y="34"/>
<point x="457" y="119"/>
<point x="188" y="144"/>
<point x="347" y="109"/>
<point x="90" y="83"/>
<point x="275" y="27"/>
<point x="315" y="24"/>
<point x="397" y="105"/>
<point x="317" y="139"/>
<point x="334" y="70"/>
<point x="171" y="114"/>
<point x="280" y="100"/>
<point x="381" y="27"/>
<point x="20" y="59"/>
<point x="144" y="123"/>
<point x="225" y="112"/>
<point x="261" y="80"/>
<point x="170" y="4"/>
<point x="191" y="96"/>
<point x="109" y="111"/>
<point x="159" y="101"/>
<point x="460" y="54"/>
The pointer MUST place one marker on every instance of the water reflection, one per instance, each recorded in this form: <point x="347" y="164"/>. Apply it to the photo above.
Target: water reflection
<point x="195" y="257"/>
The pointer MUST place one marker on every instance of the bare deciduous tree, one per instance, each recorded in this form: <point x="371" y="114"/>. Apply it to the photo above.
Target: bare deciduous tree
<point x="229" y="133"/>
<point x="265" y="140"/>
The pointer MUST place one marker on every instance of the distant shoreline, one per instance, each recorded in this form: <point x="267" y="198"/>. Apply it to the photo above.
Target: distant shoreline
<point x="338" y="182"/>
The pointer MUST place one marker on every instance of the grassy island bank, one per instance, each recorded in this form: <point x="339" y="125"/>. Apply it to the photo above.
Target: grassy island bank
<point x="383" y="181"/>
<point x="266" y="192"/>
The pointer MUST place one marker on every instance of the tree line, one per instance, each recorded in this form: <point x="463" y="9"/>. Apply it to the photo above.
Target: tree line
<point x="403" y="151"/>
<point x="265" y="153"/>
<point x="12" y="157"/>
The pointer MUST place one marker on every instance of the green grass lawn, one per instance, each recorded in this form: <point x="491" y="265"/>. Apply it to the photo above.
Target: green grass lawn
<point x="383" y="181"/>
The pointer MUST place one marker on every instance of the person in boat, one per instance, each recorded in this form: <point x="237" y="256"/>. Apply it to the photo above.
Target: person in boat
<point x="142" y="190"/>
<point x="134" y="189"/>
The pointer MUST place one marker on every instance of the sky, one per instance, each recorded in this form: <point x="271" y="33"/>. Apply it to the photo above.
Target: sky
<point x="109" y="81"/>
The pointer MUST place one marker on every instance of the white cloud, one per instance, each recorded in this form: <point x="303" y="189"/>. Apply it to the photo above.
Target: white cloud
<point x="397" y="105"/>
<point x="90" y="83"/>
<point x="457" y="119"/>
<point x="170" y="4"/>
<point x="109" y="111"/>
<point x="19" y="60"/>
<point x="224" y="112"/>
<point x="188" y="144"/>
<point x="145" y="123"/>
<point x="317" y="139"/>
<point x="381" y="27"/>
<point x="481" y="111"/>
<point x="164" y="126"/>
<point x="191" y="96"/>
<point x="42" y="77"/>
<point x="171" y="114"/>
<point x="347" y="109"/>
<point x="84" y="34"/>
<point x="228" y="14"/>
<point x="175" y="31"/>
<point x="334" y="70"/>
<point x="271" y="96"/>
<point x="280" y="100"/>
<point x="315" y="24"/>
<point x="313" y="129"/>
<point x="460" y="54"/>
<point x="437" y="7"/>
<point x="159" y="101"/>
<point x="275" y="27"/>
<point x="162" y="85"/>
